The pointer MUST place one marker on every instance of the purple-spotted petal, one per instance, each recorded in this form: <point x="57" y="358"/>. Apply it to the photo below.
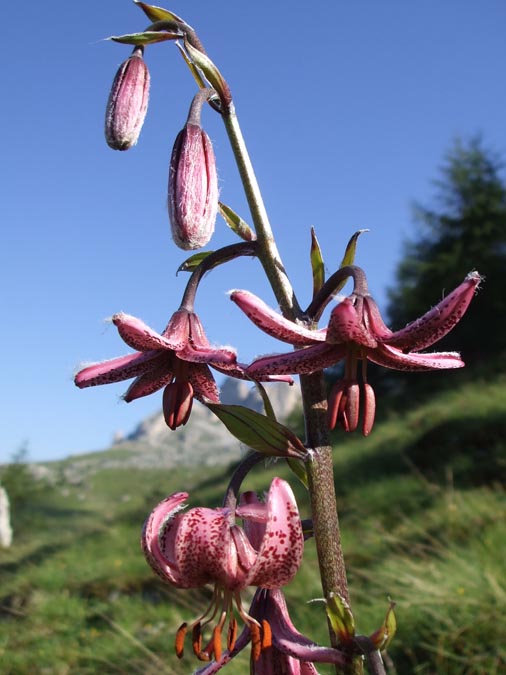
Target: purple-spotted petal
<point x="221" y="355"/>
<point x="438" y="321"/>
<point x="115" y="370"/>
<point x="139" y="335"/>
<point x="202" y="381"/>
<point x="273" y="323"/>
<point x="389" y="357"/>
<point x="205" y="550"/>
<point x="301" y="361"/>
<point x="158" y="538"/>
<point x="282" y="545"/>
<point x="345" y="326"/>
<point x="160" y="373"/>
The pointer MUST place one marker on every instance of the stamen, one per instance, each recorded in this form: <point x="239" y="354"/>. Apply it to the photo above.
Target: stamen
<point x="217" y="642"/>
<point x="256" y="641"/>
<point x="197" y="638"/>
<point x="232" y="633"/>
<point x="266" y="634"/>
<point x="180" y="636"/>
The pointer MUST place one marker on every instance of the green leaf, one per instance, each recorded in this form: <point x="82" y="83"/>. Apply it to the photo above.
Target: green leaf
<point x="211" y="72"/>
<point x="269" y="410"/>
<point x="349" y="256"/>
<point x="193" y="69"/>
<point x="382" y="637"/>
<point x="155" y="14"/>
<point x="147" y="38"/>
<point x="299" y="470"/>
<point x="316" y="263"/>
<point x="236" y="223"/>
<point x="258" y="431"/>
<point x="191" y="263"/>
<point x="340" y="617"/>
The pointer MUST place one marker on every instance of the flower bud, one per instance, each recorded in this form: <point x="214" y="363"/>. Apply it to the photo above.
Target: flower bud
<point x="193" y="184"/>
<point x="128" y="102"/>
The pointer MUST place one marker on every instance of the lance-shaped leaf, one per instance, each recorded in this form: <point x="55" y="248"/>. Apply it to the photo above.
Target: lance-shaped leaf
<point x="349" y="256"/>
<point x="316" y="263"/>
<point x="258" y="431"/>
<point x="340" y="617"/>
<point x="382" y="637"/>
<point x="148" y="37"/>
<point x="155" y="14"/>
<point x="193" y="69"/>
<point x="211" y="72"/>
<point x="191" y="263"/>
<point x="236" y="223"/>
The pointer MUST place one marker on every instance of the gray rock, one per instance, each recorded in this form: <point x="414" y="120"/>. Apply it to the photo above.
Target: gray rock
<point x="5" y="520"/>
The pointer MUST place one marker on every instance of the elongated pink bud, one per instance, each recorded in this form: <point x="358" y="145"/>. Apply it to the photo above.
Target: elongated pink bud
<point x="193" y="184"/>
<point x="128" y="102"/>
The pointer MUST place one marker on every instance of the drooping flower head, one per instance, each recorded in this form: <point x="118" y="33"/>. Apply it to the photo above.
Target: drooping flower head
<point x="177" y="360"/>
<point x="356" y="333"/>
<point x="128" y="102"/>
<point x="202" y="545"/>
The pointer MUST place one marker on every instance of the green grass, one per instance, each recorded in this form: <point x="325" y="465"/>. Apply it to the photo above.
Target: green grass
<point x="422" y="509"/>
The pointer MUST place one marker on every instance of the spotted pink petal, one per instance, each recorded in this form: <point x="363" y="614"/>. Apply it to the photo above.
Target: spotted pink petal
<point x="115" y="370"/>
<point x="393" y="358"/>
<point x="280" y="553"/>
<point x="221" y="355"/>
<point x="345" y="326"/>
<point x="139" y="335"/>
<point x="255" y="515"/>
<point x="205" y="548"/>
<point x="177" y="331"/>
<point x="239" y="371"/>
<point x="158" y="538"/>
<point x="373" y="320"/>
<point x="302" y="361"/>
<point x="202" y="381"/>
<point x="273" y="323"/>
<point x="439" y="321"/>
<point x="161" y="372"/>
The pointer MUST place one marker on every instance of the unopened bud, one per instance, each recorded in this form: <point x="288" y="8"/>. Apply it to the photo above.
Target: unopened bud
<point x="193" y="184"/>
<point x="177" y="404"/>
<point x="128" y="102"/>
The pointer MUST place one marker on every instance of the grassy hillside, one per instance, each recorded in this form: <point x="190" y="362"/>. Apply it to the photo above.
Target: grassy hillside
<point x="422" y="505"/>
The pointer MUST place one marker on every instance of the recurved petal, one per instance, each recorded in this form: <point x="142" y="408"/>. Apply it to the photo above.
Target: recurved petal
<point x="280" y="553"/>
<point x="285" y="637"/>
<point x="273" y="323"/>
<point x="205" y="550"/>
<point x="373" y="319"/>
<point x="393" y="358"/>
<point x="301" y="361"/>
<point x="139" y="335"/>
<point x="345" y="326"/>
<point x="160" y="373"/>
<point x="438" y="321"/>
<point x="115" y="370"/>
<point x="159" y="535"/>
<point x="239" y="371"/>
<point x="202" y="381"/>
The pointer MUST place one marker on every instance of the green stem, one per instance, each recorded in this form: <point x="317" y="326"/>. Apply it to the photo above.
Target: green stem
<point x="267" y="249"/>
<point x="320" y="469"/>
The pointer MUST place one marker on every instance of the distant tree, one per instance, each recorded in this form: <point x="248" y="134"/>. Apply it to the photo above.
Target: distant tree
<point x="465" y="231"/>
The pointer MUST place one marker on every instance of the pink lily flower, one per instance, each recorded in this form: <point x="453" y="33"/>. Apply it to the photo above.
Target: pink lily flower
<point x="356" y="332"/>
<point x="286" y="651"/>
<point x="177" y="359"/>
<point x="189" y="550"/>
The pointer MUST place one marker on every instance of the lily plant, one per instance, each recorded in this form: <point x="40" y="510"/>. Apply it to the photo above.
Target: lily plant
<point x="250" y="540"/>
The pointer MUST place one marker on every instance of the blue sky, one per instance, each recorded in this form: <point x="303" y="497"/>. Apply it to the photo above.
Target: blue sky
<point x="347" y="110"/>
